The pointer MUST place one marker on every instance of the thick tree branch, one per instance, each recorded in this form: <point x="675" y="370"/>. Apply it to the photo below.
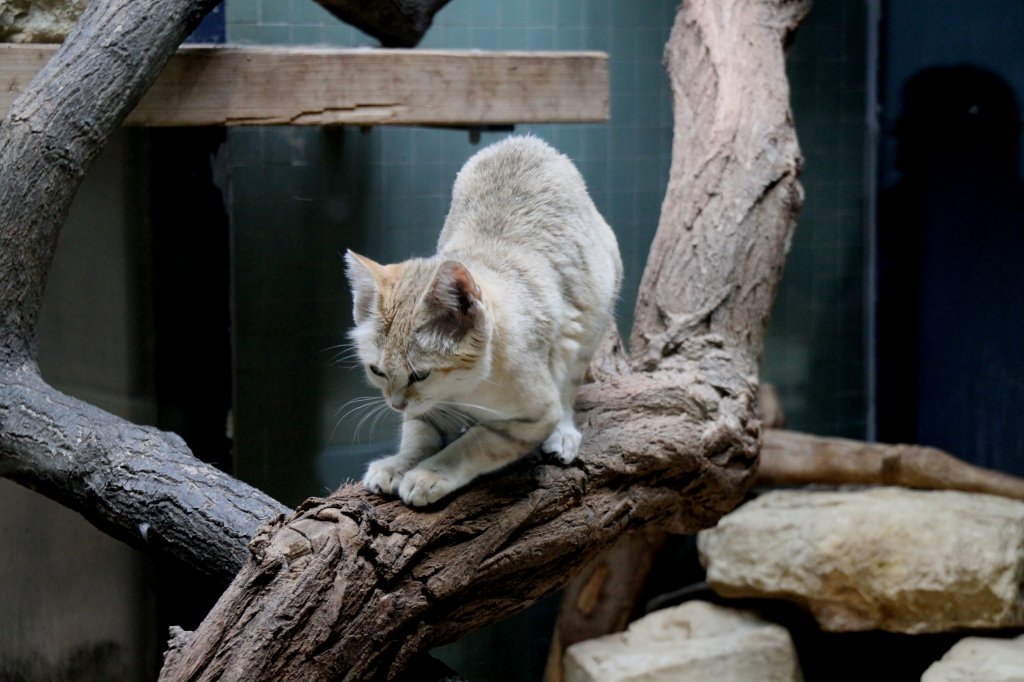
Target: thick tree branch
<point x="352" y="587"/>
<point x="140" y="485"/>
<point x="55" y="129"/>
<point x="717" y="257"/>
<point x="136" y="483"/>
<point x="725" y="226"/>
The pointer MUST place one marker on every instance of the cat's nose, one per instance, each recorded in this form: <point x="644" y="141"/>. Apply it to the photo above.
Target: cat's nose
<point x="398" y="402"/>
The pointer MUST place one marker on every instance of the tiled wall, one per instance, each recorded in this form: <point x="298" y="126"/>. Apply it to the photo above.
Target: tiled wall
<point x="815" y="348"/>
<point x="302" y="196"/>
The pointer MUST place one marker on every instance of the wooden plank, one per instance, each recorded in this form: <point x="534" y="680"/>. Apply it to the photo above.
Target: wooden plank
<point x="261" y="85"/>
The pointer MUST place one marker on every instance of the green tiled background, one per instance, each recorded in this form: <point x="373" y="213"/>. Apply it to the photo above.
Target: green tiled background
<point x="301" y="196"/>
<point x="815" y="349"/>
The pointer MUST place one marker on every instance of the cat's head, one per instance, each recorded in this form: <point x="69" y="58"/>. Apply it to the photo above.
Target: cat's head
<point x="422" y="330"/>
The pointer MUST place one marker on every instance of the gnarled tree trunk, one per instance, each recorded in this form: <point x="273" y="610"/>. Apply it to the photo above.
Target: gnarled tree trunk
<point x="352" y="587"/>
<point x="136" y="483"/>
<point x="725" y="228"/>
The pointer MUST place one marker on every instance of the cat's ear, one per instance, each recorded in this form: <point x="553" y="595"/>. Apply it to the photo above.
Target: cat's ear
<point x="364" y="276"/>
<point x="454" y="299"/>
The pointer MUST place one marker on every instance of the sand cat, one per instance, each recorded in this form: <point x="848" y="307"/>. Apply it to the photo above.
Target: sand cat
<point x="482" y="346"/>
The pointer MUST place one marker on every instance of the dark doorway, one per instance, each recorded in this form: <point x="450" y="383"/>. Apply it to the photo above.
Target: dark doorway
<point x="950" y="289"/>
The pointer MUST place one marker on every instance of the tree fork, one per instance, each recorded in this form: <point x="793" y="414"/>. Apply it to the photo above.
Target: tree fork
<point x="732" y="202"/>
<point x="353" y="586"/>
<point x="672" y="447"/>
<point x="135" y="483"/>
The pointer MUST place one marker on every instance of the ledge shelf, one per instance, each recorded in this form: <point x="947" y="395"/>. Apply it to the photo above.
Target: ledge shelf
<point x="231" y="85"/>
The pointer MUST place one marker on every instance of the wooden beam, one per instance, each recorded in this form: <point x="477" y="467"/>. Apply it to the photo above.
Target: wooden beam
<point x="259" y="85"/>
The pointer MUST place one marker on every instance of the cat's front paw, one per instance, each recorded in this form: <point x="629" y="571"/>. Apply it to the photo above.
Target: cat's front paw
<point x="421" y="487"/>
<point x="385" y="475"/>
<point x="563" y="443"/>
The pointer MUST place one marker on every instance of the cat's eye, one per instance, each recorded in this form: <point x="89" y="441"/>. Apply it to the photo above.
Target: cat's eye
<point x="418" y="376"/>
<point x="377" y="370"/>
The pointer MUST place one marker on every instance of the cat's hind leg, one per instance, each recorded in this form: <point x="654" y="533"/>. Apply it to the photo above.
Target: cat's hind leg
<point x="419" y="441"/>
<point x="568" y="368"/>
<point x="564" y="441"/>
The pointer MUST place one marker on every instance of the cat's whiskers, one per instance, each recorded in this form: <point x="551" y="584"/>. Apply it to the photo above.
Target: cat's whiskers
<point x="473" y="406"/>
<point x="363" y="403"/>
<point x="373" y="424"/>
<point x="346" y="352"/>
<point x="359" y="402"/>
<point x="450" y="419"/>
<point x="347" y="344"/>
<point x="346" y="357"/>
<point x="375" y="412"/>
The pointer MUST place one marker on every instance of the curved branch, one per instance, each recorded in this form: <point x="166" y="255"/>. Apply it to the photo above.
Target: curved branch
<point x="352" y="587"/>
<point x="57" y="127"/>
<point x="724" y="232"/>
<point x="138" y="484"/>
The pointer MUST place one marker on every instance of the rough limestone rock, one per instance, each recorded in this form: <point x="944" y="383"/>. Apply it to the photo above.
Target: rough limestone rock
<point x="38" y="21"/>
<point x="980" y="659"/>
<point x="694" y="641"/>
<point x="886" y="558"/>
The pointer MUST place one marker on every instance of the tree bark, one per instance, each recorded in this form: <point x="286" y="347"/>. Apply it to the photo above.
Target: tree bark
<point x="732" y="204"/>
<point x="735" y="161"/>
<point x="136" y="483"/>
<point x="352" y="587"/>
<point x="602" y="598"/>
<point x="55" y="129"/>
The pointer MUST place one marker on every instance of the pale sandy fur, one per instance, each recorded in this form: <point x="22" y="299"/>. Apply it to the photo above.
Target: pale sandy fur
<point x="504" y="318"/>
